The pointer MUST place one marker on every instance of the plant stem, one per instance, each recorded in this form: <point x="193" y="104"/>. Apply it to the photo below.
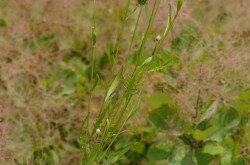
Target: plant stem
<point x="144" y="40"/>
<point x="135" y="30"/>
<point x="118" y="40"/>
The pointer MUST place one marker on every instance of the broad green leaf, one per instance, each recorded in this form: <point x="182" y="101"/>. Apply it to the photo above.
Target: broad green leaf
<point x="226" y="158"/>
<point x="139" y="148"/>
<point x="229" y="118"/>
<point x="158" y="117"/>
<point x="203" y="158"/>
<point x="159" y="151"/>
<point x="203" y="135"/>
<point x="159" y="99"/>
<point x="181" y="155"/>
<point x="214" y="149"/>
<point x="188" y="159"/>
<point x="156" y="154"/>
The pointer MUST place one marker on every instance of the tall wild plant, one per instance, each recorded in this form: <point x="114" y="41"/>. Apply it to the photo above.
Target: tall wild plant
<point x="118" y="107"/>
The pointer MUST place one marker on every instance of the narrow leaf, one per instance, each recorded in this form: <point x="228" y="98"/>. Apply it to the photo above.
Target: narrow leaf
<point x="169" y="21"/>
<point x="179" y="5"/>
<point x="93" y="36"/>
<point x="113" y="86"/>
<point x="96" y="81"/>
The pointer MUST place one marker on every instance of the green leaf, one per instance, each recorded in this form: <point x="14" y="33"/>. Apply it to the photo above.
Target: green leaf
<point x="203" y="158"/>
<point x="159" y="151"/>
<point x="229" y="118"/>
<point x="188" y="159"/>
<point x="179" y="5"/>
<point x="159" y="99"/>
<point x="139" y="148"/>
<point x="226" y="158"/>
<point x="113" y="86"/>
<point x="203" y="135"/>
<point x="158" y="117"/>
<point x="214" y="149"/>
<point x="158" y="65"/>
<point x="181" y="156"/>
<point x="146" y="61"/>
<point x="169" y="22"/>
<point x="100" y="118"/>
<point x="156" y="154"/>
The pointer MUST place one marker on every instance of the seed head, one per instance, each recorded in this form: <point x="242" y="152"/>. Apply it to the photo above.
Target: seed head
<point x="98" y="131"/>
<point x="142" y="2"/>
<point x="158" y="38"/>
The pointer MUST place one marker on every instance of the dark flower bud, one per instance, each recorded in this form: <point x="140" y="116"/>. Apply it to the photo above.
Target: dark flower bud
<point x="142" y="2"/>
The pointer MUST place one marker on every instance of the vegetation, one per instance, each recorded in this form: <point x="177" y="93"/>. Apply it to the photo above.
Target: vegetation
<point x="127" y="82"/>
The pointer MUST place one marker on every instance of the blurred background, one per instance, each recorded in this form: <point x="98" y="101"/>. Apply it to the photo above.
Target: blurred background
<point x="45" y="51"/>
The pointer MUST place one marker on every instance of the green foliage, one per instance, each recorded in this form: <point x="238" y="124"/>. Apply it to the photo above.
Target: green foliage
<point x="159" y="99"/>
<point x="159" y="151"/>
<point x="160" y="116"/>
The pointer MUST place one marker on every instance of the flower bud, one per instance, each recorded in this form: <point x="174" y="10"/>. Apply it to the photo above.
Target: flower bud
<point x="158" y="38"/>
<point x="98" y="131"/>
<point x="142" y="2"/>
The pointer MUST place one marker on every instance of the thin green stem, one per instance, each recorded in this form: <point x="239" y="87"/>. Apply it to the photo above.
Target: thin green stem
<point x="86" y="121"/>
<point x="120" y="34"/>
<point x="135" y="30"/>
<point x="151" y="20"/>
<point x="168" y="28"/>
<point x="93" y="41"/>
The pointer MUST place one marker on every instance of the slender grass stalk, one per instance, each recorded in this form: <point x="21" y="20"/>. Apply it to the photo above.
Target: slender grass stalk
<point x="93" y="41"/>
<point x="86" y="120"/>
<point x="169" y="26"/>
<point x="135" y="29"/>
<point x="151" y="19"/>
<point x="119" y="37"/>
